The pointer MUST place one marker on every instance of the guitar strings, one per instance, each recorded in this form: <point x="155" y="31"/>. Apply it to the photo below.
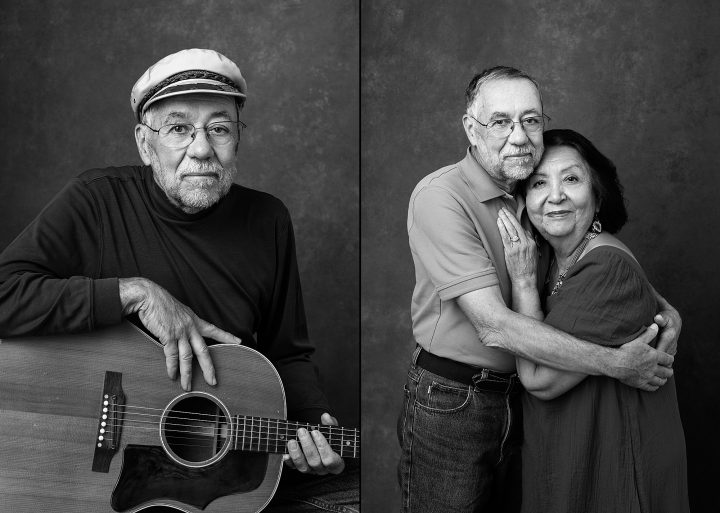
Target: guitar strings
<point x="278" y="431"/>
<point x="214" y="417"/>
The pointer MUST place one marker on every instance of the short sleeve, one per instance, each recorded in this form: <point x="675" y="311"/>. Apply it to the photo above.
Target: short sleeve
<point x="605" y="299"/>
<point x="445" y="241"/>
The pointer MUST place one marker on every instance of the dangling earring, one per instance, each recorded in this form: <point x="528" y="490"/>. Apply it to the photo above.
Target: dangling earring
<point x="596" y="225"/>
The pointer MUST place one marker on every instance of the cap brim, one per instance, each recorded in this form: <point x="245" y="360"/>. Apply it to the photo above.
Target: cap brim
<point x="193" y="87"/>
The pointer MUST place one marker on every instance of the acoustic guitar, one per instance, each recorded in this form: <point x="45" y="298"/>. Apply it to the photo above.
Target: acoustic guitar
<point x="91" y="422"/>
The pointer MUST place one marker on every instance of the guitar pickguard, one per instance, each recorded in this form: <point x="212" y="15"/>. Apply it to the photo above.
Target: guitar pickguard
<point x="149" y="474"/>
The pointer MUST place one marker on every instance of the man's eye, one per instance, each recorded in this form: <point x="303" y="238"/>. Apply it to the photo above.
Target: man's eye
<point x="218" y="130"/>
<point x="537" y="183"/>
<point x="502" y="123"/>
<point x="178" y="129"/>
<point x="531" y="121"/>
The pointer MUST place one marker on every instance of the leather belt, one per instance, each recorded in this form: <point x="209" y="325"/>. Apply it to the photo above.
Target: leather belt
<point x="485" y="379"/>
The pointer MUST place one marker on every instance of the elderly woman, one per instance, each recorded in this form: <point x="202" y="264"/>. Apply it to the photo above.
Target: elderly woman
<point x="591" y="443"/>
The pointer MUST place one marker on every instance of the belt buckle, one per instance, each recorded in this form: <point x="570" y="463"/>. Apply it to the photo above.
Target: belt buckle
<point x="481" y="376"/>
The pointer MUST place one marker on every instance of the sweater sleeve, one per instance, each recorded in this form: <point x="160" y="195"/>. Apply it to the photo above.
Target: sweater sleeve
<point x="283" y="334"/>
<point x="47" y="273"/>
<point x="605" y="299"/>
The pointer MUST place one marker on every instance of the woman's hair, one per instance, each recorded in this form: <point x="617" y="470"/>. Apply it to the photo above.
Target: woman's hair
<point x="605" y="184"/>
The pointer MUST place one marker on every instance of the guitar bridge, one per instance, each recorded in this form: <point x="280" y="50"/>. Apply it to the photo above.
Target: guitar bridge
<point x="110" y="417"/>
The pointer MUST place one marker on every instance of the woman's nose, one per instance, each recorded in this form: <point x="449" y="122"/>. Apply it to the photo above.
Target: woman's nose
<point x="556" y="193"/>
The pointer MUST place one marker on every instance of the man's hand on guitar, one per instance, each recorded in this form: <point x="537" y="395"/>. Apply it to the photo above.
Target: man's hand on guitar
<point x="177" y="327"/>
<point x="312" y="454"/>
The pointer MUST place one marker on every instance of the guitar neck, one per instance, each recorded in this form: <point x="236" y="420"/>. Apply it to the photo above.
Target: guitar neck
<point x="271" y="435"/>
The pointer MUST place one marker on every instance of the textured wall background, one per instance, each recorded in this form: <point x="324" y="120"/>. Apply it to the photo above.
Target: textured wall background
<point x="639" y="79"/>
<point x="67" y="71"/>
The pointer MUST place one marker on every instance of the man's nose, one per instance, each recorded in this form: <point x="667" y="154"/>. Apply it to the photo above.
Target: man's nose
<point x="200" y="147"/>
<point x="518" y="136"/>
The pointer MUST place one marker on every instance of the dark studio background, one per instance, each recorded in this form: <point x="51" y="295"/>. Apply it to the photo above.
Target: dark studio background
<point x="67" y="71"/>
<point x="639" y="79"/>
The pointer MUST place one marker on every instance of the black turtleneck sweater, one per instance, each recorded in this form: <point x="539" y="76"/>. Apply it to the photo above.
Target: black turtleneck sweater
<point x="233" y="264"/>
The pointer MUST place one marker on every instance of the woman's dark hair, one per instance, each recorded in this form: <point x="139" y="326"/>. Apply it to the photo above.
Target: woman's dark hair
<point x="606" y="186"/>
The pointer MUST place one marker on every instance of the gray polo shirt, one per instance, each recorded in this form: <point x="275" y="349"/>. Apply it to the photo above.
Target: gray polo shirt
<point x="456" y="248"/>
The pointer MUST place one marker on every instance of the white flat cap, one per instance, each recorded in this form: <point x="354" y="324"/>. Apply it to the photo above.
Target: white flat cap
<point x="187" y="72"/>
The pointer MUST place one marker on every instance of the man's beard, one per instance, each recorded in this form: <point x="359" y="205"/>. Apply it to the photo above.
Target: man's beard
<point x="200" y="193"/>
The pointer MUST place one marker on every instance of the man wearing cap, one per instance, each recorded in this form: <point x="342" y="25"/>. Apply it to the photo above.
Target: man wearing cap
<point x="179" y="245"/>
<point x="458" y="427"/>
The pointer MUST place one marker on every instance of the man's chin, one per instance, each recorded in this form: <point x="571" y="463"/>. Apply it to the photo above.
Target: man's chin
<point x="517" y="172"/>
<point x="197" y="199"/>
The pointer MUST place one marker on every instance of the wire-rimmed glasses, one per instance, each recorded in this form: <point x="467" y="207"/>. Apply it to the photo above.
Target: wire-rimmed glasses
<point x="180" y="135"/>
<point x="503" y="127"/>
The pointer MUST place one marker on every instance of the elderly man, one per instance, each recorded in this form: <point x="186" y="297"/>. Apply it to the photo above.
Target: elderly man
<point x="458" y="428"/>
<point x="186" y="250"/>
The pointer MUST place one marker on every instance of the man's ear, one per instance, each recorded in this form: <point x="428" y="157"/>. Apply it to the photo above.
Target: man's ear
<point x="142" y="143"/>
<point x="467" y="122"/>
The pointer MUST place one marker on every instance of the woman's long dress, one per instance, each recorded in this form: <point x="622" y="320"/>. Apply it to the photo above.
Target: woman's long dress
<point x="603" y="446"/>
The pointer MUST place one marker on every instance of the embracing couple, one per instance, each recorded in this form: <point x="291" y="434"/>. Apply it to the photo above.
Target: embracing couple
<point x="542" y="377"/>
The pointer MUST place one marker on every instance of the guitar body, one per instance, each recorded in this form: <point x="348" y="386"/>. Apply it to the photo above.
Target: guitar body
<point x="51" y="407"/>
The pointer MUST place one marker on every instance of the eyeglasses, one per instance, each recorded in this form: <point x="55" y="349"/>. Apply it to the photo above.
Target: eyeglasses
<point x="180" y="135"/>
<point x="503" y="127"/>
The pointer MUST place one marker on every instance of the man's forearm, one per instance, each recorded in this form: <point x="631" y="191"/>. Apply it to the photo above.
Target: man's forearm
<point x="545" y="345"/>
<point x="501" y="328"/>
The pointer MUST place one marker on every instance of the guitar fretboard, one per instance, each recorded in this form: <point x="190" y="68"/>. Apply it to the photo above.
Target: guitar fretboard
<point x="271" y="435"/>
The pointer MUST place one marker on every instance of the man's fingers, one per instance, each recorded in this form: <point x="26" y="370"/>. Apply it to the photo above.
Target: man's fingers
<point x="170" y="349"/>
<point x="660" y="320"/>
<point x="185" y="357"/>
<point x="297" y="457"/>
<point x="329" y="458"/>
<point x="649" y="335"/>
<point x="310" y="450"/>
<point x="657" y="381"/>
<point x="664" y="359"/>
<point x="328" y="420"/>
<point x="663" y="371"/>
<point x="203" y="356"/>
<point x="211" y="331"/>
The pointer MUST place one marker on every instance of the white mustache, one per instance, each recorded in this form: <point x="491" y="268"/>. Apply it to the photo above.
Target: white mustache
<point x="201" y="167"/>
<point x="520" y="151"/>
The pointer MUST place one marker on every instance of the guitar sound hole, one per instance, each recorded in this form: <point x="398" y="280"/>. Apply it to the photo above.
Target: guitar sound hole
<point x="195" y="429"/>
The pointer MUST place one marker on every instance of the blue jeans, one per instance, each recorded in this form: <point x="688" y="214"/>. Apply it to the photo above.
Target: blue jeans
<point x="301" y="493"/>
<point x="460" y="446"/>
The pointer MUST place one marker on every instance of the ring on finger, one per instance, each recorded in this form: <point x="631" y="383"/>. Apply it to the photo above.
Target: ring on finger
<point x="514" y="238"/>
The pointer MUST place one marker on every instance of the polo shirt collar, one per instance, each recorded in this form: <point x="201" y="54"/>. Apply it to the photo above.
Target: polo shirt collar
<point x="480" y="182"/>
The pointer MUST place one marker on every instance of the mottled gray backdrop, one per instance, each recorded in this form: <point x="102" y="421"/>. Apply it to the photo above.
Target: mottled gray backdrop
<point x="639" y="79"/>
